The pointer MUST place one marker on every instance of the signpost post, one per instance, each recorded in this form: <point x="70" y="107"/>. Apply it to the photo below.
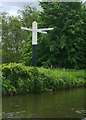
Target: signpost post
<point x="34" y="39"/>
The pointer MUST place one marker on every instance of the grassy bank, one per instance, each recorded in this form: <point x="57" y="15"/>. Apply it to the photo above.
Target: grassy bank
<point x="19" y="79"/>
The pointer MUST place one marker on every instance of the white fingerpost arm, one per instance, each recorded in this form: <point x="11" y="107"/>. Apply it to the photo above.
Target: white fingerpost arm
<point x="35" y="30"/>
<point x="45" y="29"/>
<point x="24" y="28"/>
<point x="40" y="31"/>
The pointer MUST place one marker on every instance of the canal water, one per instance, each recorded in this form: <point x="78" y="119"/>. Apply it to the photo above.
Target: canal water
<point x="68" y="103"/>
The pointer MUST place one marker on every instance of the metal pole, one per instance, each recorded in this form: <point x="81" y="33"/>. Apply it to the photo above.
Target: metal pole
<point x="34" y="55"/>
<point x="34" y="43"/>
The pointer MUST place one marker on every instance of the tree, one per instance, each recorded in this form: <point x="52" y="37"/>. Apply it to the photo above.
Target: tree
<point x="13" y="37"/>
<point x="27" y="52"/>
<point x="28" y="15"/>
<point x="64" y="46"/>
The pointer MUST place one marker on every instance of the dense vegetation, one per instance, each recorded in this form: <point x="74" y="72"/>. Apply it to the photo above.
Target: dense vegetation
<point x="64" y="46"/>
<point x="17" y="79"/>
<point x="13" y="37"/>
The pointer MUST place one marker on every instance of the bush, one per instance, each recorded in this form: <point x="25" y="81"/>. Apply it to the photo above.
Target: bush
<point x="18" y="79"/>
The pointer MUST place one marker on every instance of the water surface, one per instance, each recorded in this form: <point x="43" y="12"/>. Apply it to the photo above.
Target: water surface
<point x="68" y="103"/>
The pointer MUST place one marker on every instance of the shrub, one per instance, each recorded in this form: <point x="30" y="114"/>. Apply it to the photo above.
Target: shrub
<point x="18" y="79"/>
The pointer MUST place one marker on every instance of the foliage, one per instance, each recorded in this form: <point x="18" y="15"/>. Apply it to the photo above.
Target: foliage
<point x="28" y="15"/>
<point x="18" y="79"/>
<point x="27" y="52"/>
<point x="65" y="46"/>
<point x="13" y="37"/>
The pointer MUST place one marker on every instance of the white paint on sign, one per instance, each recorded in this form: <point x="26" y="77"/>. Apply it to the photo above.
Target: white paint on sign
<point x="35" y="30"/>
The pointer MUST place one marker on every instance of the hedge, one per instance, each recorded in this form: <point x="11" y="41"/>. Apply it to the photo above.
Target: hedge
<point x="20" y="79"/>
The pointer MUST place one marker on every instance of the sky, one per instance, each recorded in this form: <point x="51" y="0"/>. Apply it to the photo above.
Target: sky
<point x="13" y="7"/>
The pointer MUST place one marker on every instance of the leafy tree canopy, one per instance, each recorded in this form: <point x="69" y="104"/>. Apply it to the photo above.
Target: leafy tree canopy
<point x="13" y="38"/>
<point x="65" y="46"/>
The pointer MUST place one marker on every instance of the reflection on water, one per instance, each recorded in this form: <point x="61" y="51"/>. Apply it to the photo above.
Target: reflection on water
<point x="59" y="104"/>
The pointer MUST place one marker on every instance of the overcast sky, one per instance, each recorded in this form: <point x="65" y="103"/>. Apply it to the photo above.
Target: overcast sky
<point x="13" y="7"/>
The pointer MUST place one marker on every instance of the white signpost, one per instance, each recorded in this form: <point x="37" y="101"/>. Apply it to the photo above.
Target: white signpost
<point x="34" y="39"/>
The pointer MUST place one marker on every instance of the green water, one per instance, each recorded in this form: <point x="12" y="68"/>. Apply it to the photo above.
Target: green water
<point x="59" y="104"/>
